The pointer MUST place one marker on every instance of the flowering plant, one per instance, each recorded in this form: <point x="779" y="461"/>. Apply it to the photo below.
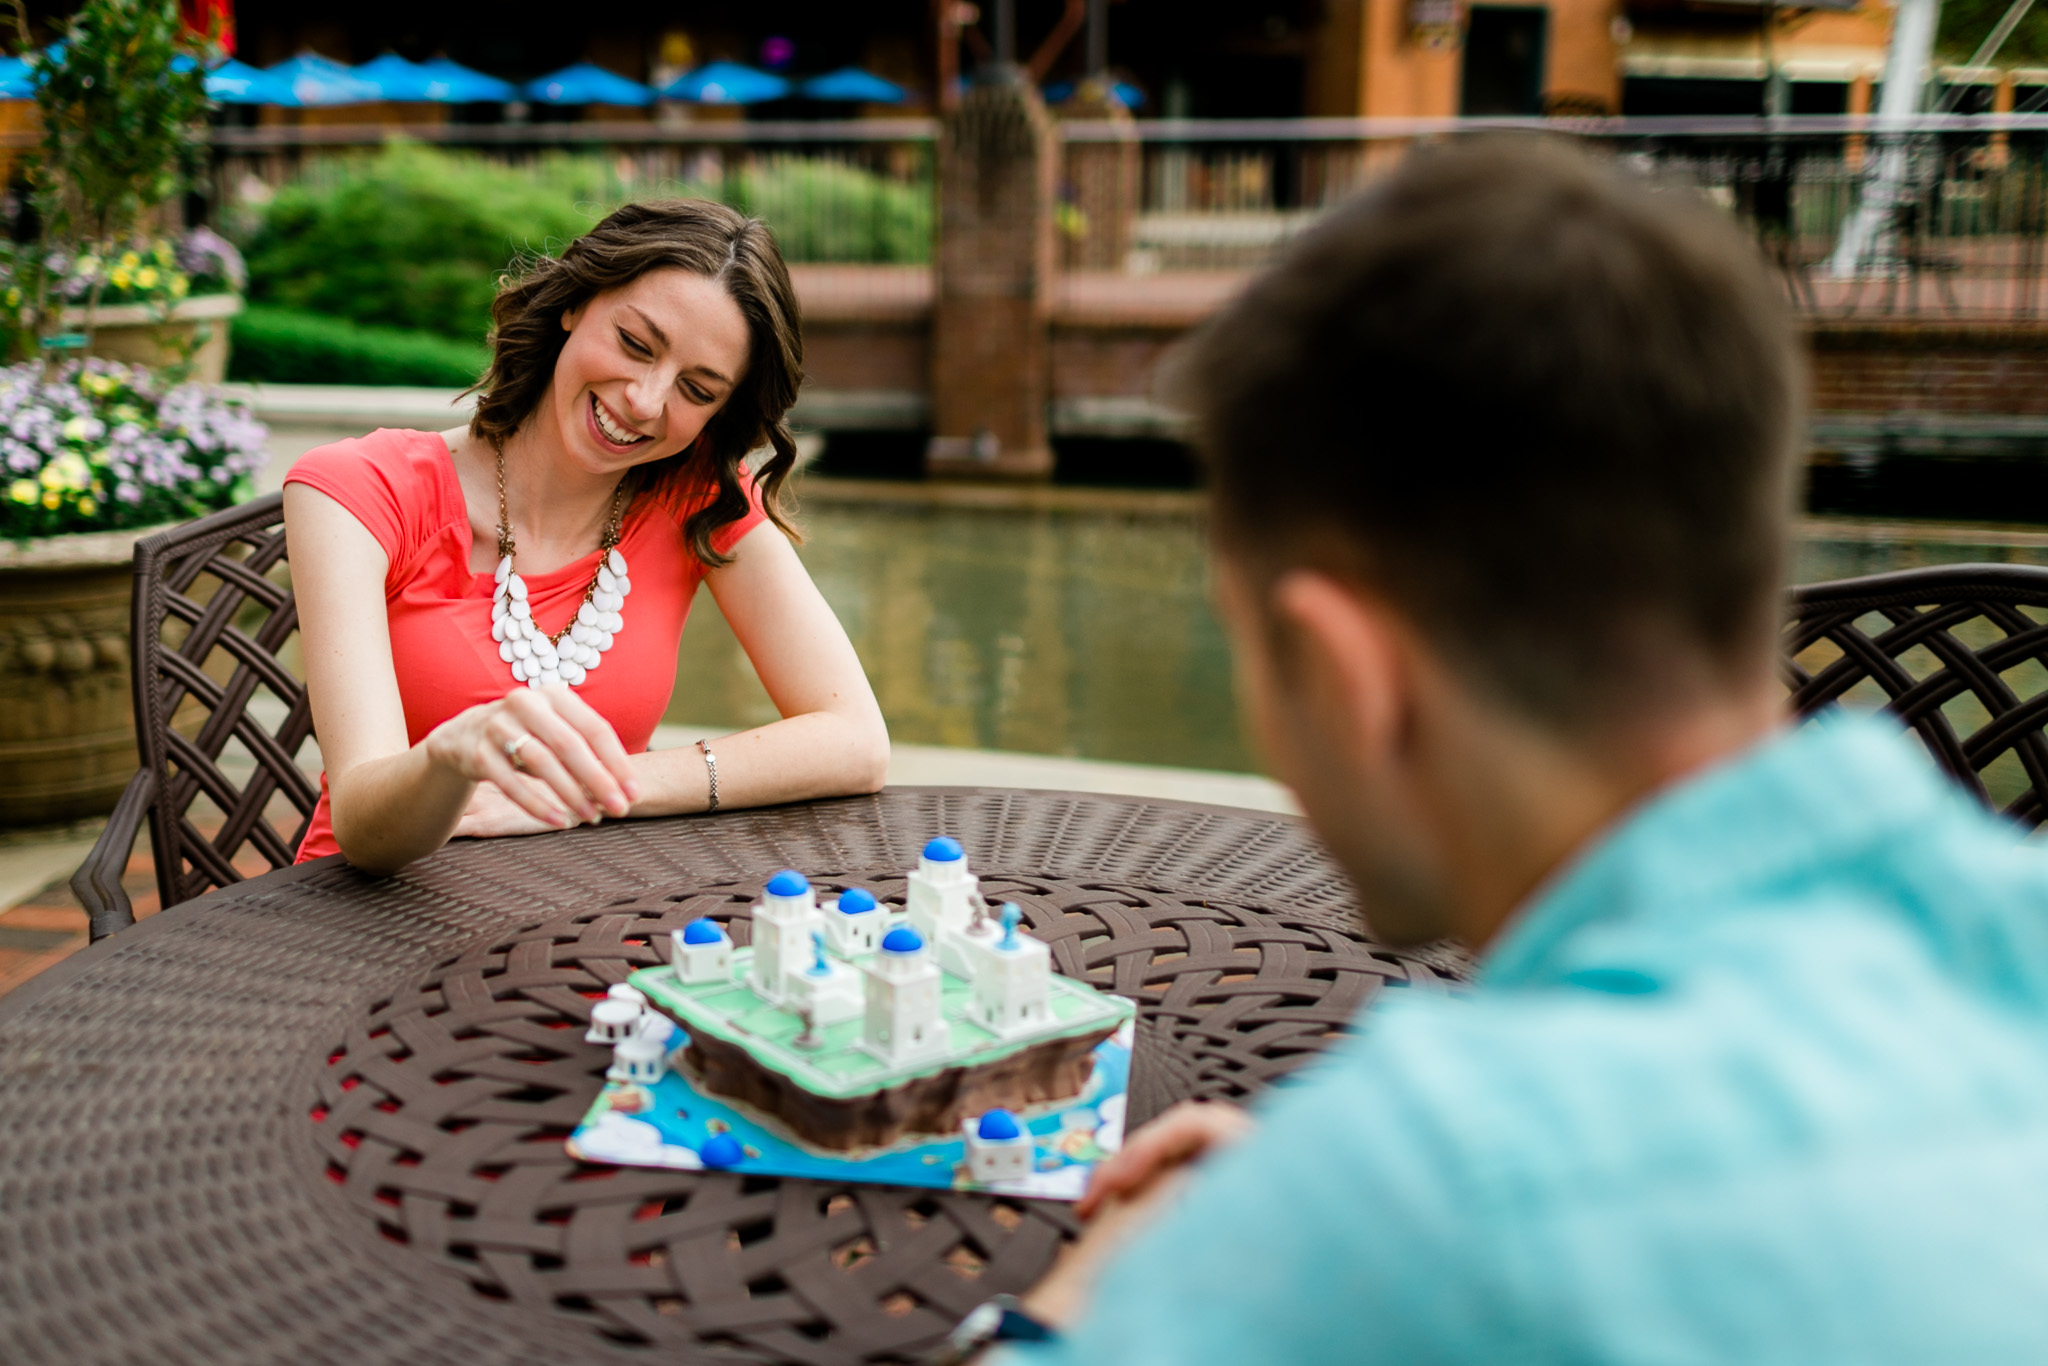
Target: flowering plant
<point x="100" y="446"/>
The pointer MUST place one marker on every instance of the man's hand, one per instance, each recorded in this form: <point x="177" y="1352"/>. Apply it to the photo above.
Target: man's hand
<point x="1176" y="1138"/>
<point x="1129" y="1192"/>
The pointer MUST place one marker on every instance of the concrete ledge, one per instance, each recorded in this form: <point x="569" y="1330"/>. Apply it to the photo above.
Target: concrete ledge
<point x="355" y="405"/>
<point x="939" y="766"/>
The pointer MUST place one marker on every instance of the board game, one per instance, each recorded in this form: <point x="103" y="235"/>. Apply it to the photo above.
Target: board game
<point x="932" y="1046"/>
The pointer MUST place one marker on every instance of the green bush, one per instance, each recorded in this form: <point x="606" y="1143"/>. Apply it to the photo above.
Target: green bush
<point x="413" y="238"/>
<point x="290" y="347"/>
<point x="416" y="238"/>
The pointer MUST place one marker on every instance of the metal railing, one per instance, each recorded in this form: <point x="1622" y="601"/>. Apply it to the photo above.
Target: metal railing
<point x="1964" y="239"/>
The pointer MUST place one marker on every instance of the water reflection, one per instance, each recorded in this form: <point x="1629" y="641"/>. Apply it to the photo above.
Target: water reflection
<point x="1081" y="625"/>
<point x="1057" y="630"/>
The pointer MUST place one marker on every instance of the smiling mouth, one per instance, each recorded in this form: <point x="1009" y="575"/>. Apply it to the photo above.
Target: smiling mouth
<point x="610" y="430"/>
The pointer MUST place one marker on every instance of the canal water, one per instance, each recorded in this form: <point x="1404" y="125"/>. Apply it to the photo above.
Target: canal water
<point x="1076" y="621"/>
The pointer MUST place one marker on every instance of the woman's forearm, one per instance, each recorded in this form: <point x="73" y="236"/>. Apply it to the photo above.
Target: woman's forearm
<point x="817" y="754"/>
<point x="392" y="810"/>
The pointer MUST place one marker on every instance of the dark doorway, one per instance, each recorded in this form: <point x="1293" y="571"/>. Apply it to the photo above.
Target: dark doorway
<point x="1504" y="61"/>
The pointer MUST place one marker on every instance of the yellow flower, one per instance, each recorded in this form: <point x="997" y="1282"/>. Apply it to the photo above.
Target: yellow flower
<point x="14" y="298"/>
<point x="53" y="500"/>
<point x="76" y="428"/>
<point x="180" y="286"/>
<point x="129" y="260"/>
<point x="50" y="477"/>
<point x="88" y="263"/>
<point x="146" y="277"/>
<point x="162" y="253"/>
<point x="68" y="471"/>
<point x="87" y="506"/>
<point x="118" y="278"/>
<point x="22" y="491"/>
<point x="99" y="386"/>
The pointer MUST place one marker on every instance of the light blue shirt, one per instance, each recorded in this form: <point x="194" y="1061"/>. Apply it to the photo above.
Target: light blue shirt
<point x="1761" y="1078"/>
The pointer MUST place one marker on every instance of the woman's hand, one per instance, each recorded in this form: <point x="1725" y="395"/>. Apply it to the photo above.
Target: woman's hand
<point x="546" y="751"/>
<point x="491" y="814"/>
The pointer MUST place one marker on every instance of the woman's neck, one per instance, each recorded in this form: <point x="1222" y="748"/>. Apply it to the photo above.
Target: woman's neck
<point x="558" y="512"/>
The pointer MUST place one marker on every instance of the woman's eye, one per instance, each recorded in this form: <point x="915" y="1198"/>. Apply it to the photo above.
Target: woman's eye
<point x="633" y="343"/>
<point x="696" y="395"/>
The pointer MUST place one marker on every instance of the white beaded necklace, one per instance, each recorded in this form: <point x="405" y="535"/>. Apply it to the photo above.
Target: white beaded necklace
<point x="537" y="658"/>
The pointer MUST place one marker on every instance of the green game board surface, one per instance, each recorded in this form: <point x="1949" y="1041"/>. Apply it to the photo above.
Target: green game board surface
<point x="839" y="1069"/>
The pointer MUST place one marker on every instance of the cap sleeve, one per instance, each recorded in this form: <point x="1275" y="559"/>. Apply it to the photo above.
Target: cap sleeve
<point x="393" y="482"/>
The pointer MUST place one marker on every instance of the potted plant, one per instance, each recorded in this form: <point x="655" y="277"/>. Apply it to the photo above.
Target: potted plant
<point x="95" y="453"/>
<point x="122" y="99"/>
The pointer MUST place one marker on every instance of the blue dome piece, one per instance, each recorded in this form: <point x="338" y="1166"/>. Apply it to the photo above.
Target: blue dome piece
<point x="721" y="1151"/>
<point x="998" y="1124"/>
<point x="944" y="849"/>
<point x="902" y="939"/>
<point x="788" y="882"/>
<point x="702" y="932"/>
<point x="856" y="901"/>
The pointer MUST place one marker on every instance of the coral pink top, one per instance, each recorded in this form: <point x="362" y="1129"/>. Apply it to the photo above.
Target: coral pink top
<point x="401" y="485"/>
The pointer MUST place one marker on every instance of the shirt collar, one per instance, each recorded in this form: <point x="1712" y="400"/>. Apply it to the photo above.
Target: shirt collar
<point x="1801" y="799"/>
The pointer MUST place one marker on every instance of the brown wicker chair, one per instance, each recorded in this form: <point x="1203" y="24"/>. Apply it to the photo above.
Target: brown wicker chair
<point x="1957" y="652"/>
<point x="213" y="608"/>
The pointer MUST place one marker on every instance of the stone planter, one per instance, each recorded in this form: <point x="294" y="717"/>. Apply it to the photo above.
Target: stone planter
<point x="67" y="730"/>
<point x="130" y="333"/>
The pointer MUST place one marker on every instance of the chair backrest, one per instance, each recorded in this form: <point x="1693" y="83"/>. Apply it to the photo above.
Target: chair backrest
<point x="219" y="716"/>
<point x="1959" y="653"/>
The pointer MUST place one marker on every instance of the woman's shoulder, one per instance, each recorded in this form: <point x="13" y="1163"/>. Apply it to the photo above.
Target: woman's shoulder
<point x="389" y="453"/>
<point x="399" y="483"/>
<point x="685" y="489"/>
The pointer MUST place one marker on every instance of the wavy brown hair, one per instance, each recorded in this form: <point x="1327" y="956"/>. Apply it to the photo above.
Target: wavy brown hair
<point x="689" y="234"/>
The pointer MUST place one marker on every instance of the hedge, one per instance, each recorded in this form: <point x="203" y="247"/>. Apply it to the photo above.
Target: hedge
<point x="415" y="237"/>
<point x="287" y="346"/>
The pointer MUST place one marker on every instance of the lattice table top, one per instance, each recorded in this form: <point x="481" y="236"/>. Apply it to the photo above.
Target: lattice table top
<point x="319" y="1117"/>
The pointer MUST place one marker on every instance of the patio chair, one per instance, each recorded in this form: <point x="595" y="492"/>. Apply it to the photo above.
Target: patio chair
<point x="213" y="608"/>
<point x="1959" y="653"/>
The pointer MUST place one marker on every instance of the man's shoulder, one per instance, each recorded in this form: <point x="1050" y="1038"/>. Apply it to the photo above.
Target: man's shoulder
<point x="1790" y="1036"/>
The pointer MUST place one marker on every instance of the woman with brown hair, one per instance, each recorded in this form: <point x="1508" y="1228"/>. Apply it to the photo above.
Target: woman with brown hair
<point x="490" y="614"/>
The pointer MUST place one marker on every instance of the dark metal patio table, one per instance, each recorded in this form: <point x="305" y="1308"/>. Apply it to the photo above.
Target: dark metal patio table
<point x="318" y="1117"/>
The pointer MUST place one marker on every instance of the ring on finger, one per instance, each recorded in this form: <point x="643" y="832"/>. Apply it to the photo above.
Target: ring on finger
<point x="511" y="748"/>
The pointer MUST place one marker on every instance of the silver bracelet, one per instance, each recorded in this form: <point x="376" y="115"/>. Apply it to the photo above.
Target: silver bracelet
<point x="710" y="768"/>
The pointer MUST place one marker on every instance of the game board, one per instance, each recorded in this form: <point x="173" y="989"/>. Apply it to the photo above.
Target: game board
<point x="852" y="1041"/>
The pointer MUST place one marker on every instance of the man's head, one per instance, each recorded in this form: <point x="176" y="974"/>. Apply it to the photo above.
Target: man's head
<point x="1530" y="423"/>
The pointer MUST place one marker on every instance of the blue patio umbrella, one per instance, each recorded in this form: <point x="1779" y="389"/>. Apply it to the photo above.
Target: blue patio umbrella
<point x="440" y="81"/>
<point x="315" y="80"/>
<point x="586" y="84"/>
<point x="466" y="86"/>
<point x="234" y="82"/>
<point x="726" y="83"/>
<point x="17" y="79"/>
<point x="853" y="85"/>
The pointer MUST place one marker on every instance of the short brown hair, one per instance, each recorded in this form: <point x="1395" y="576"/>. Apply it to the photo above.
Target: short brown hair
<point x="1546" y="409"/>
<point x="696" y="235"/>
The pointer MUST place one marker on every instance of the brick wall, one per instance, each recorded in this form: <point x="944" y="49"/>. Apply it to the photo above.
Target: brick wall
<point x="1930" y="368"/>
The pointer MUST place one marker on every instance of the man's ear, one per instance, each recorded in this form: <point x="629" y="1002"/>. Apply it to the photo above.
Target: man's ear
<point x="1344" y="654"/>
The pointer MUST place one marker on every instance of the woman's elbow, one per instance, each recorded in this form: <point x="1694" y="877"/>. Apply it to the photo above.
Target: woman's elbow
<point x="871" y="758"/>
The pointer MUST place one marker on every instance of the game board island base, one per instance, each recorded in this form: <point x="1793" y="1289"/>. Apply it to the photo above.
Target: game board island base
<point x="1057" y="1069"/>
